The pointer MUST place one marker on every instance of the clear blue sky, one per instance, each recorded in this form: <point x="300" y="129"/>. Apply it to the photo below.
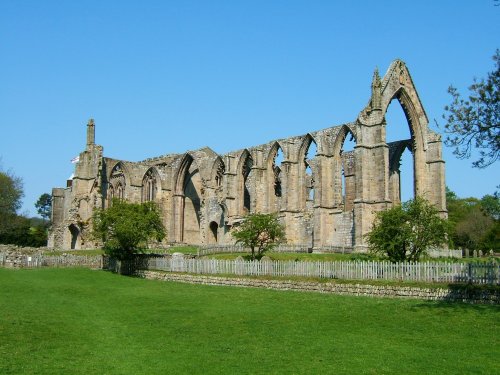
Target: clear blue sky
<point x="168" y="76"/>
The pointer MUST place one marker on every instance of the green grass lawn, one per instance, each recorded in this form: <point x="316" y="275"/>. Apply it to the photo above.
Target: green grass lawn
<point x="78" y="321"/>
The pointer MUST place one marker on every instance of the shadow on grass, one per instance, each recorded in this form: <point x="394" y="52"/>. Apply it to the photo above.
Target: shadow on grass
<point x="456" y="306"/>
<point x="461" y="297"/>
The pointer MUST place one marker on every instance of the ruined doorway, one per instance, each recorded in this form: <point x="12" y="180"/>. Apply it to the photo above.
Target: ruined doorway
<point x="75" y="236"/>
<point x="213" y="232"/>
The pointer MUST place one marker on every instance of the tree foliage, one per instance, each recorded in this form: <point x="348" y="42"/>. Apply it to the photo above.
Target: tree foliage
<point x="405" y="232"/>
<point x="261" y="232"/>
<point x="475" y="122"/>
<point x="16" y="229"/>
<point x="474" y="223"/>
<point x="126" y="228"/>
<point x="44" y="206"/>
<point x="11" y="192"/>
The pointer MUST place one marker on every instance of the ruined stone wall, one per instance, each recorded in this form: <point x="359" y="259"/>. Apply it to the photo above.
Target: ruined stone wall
<point x="326" y="199"/>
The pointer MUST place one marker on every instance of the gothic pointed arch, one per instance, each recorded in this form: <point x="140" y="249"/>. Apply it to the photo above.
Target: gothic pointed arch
<point x="344" y="169"/>
<point x="398" y="84"/>
<point x="244" y="184"/>
<point x="344" y="131"/>
<point x="218" y="172"/>
<point x="275" y="177"/>
<point x="180" y="173"/>
<point x="187" y="201"/>
<point x="118" y="180"/>
<point x="396" y="150"/>
<point x="151" y="185"/>
<point x="307" y="172"/>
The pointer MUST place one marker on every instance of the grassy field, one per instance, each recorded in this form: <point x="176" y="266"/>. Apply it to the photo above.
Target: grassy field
<point x="78" y="321"/>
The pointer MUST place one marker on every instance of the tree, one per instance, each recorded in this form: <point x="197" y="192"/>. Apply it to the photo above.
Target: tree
<point x="125" y="228"/>
<point x="405" y="232"/>
<point x="12" y="226"/>
<point x="16" y="229"/>
<point x="476" y="122"/>
<point x="11" y="192"/>
<point x="474" y="223"/>
<point x="260" y="231"/>
<point x="44" y="206"/>
<point x="491" y="206"/>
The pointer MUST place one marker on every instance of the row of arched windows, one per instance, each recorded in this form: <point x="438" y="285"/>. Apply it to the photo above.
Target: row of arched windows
<point x="150" y="183"/>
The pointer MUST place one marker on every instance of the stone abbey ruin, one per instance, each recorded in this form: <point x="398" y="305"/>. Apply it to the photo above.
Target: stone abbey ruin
<point x="324" y="200"/>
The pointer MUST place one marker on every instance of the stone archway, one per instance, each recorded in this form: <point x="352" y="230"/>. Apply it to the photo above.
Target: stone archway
<point x="187" y="202"/>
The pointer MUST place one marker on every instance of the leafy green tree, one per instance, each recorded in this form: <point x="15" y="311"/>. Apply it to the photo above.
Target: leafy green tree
<point x="491" y="240"/>
<point x="44" y="206"/>
<point x="474" y="223"/>
<point x="475" y="122"/>
<point x="471" y="230"/>
<point x="491" y="206"/>
<point x="260" y="231"/>
<point x="11" y="192"/>
<point x="126" y="228"/>
<point x="405" y="232"/>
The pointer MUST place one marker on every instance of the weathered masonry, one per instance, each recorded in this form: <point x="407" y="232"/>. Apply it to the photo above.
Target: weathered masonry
<point x="326" y="199"/>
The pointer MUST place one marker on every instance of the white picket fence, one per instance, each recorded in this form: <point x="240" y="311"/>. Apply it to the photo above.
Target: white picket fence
<point x="289" y="248"/>
<point x="281" y="248"/>
<point x="351" y="270"/>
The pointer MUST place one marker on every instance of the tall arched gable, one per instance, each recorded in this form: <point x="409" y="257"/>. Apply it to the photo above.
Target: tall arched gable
<point x="398" y="84"/>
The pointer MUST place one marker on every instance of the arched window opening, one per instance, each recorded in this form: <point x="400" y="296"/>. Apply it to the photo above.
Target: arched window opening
<point x="407" y="178"/>
<point x="120" y="192"/>
<point x="398" y="129"/>
<point x="219" y="174"/>
<point x="309" y="177"/>
<point x="246" y="171"/>
<point x="111" y="194"/>
<point x="149" y="186"/>
<point x="116" y="185"/>
<point x="276" y="167"/>
<point x="348" y="171"/>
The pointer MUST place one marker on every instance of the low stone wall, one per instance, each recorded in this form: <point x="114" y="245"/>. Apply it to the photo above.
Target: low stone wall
<point x="22" y="249"/>
<point x="439" y="294"/>
<point x="12" y="256"/>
